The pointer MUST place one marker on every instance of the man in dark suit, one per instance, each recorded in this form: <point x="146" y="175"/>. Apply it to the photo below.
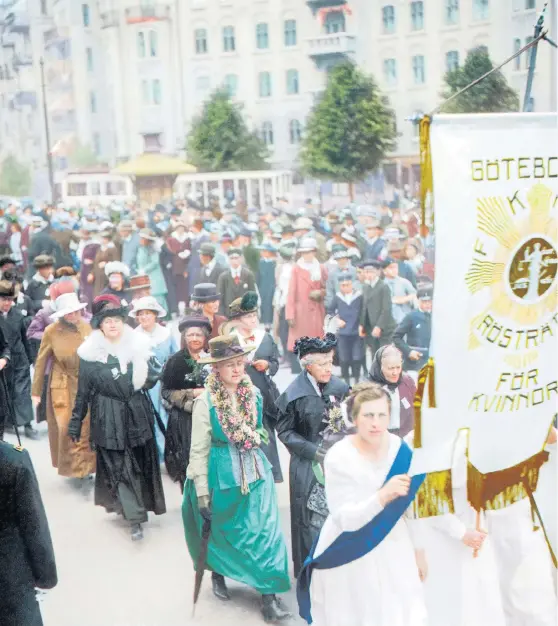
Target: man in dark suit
<point x="376" y="316"/>
<point x="18" y="378"/>
<point x="210" y="269"/>
<point x="27" y="557"/>
<point x="234" y="282"/>
<point x="42" y="242"/>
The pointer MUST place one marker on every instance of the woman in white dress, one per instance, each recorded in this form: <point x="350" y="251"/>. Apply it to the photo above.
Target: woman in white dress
<point x="367" y="568"/>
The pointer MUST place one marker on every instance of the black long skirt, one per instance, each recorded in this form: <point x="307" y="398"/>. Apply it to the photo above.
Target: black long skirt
<point x="128" y="482"/>
<point x="178" y="440"/>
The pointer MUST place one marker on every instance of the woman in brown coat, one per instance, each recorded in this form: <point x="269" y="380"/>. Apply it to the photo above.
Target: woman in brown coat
<point x="59" y="345"/>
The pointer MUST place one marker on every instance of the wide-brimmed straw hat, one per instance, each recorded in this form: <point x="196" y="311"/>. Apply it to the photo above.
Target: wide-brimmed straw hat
<point x="147" y="303"/>
<point x="65" y="304"/>
<point x="224" y="348"/>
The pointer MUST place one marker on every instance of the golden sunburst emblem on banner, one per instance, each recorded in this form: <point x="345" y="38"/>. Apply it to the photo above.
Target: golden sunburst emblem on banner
<point x="522" y="271"/>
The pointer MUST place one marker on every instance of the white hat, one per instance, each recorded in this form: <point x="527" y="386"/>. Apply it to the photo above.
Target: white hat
<point x="65" y="304"/>
<point x="307" y="244"/>
<point x="147" y="303"/>
<point x="117" y="267"/>
<point x="303" y="223"/>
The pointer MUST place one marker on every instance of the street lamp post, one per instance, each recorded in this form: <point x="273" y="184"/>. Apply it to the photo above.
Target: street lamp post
<point x="47" y="134"/>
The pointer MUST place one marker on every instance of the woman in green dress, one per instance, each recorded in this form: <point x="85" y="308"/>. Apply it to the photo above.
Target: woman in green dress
<point x="230" y="484"/>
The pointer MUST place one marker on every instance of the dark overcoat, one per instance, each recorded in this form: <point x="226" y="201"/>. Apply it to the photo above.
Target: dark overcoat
<point x="26" y="553"/>
<point x="300" y="426"/>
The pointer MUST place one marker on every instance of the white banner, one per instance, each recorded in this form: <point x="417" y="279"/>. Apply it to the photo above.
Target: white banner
<point x="495" y="315"/>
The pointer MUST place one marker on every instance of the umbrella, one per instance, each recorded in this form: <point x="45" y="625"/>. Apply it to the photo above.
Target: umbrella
<point x="202" y="558"/>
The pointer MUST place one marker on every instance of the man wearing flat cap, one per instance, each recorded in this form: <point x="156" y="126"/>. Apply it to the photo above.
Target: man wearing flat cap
<point x="234" y="282"/>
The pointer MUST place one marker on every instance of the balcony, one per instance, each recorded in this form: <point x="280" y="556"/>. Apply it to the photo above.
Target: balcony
<point x="319" y="4"/>
<point x="327" y="49"/>
<point x="109" y="19"/>
<point x="148" y="13"/>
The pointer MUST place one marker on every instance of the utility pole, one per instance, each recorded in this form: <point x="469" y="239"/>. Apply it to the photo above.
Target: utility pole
<point x="47" y="135"/>
<point x="533" y="63"/>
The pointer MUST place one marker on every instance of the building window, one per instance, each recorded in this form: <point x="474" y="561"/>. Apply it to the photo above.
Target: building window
<point x="417" y="15"/>
<point x="153" y="43"/>
<point x="516" y="49"/>
<point x="203" y="85"/>
<point x="418" y="69"/>
<point x="157" y="91"/>
<point x="292" y="82"/>
<point x="295" y="131"/>
<point x="530" y="4"/>
<point x="267" y="133"/>
<point x="229" y="44"/>
<point x="200" y="35"/>
<point x="97" y="144"/>
<point x="481" y="10"/>
<point x="334" y="22"/>
<point x="388" y="19"/>
<point x="141" y="45"/>
<point x="390" y="71"/>
<point x="264" y="79"/>
<point x="231" y="84"/>
<point x="262" y="36"/>
<point x="290" y="32"/>
<point x="452" y="60"/>
<point x="86" y="17"/>
<point x="78" y="189"/>
<point x="89" y="57"/>
<point x="93" y="102"/>
<point x="452" y="11"/>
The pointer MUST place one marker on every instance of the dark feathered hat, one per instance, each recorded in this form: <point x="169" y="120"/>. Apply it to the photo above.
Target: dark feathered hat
<point x="6" y="260"/>
<point x="315" y="345"/>
<point x="243" y="306"/>
<point x="107" y="306"/>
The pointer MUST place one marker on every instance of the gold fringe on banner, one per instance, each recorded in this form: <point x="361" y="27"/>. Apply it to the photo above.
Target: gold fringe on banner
<point x="426" y="374"/>
<point x="435" y="496"/>
<point x="426" y="181"/>
<point x="497" y="490"/>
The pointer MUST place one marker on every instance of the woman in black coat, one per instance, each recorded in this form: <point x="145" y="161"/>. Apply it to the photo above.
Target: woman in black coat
<point x="116" y="370"/>
<point x="26" y="554"/>
<point x="262" y="365"/>
<point x="182" y="382"/>
<point x="304" y="413"/>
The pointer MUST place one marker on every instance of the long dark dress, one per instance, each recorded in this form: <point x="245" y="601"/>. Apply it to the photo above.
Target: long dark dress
<point x="128" y="478"/>
<point x="268" y="351"/>
<point x="180" y="377"/>
<point x="89" y="253"/>
<point x="300" y="425"/>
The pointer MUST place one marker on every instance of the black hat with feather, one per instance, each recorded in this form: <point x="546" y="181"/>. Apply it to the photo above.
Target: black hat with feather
<point x="315" y="345"/>
<point x="243" y="306"/>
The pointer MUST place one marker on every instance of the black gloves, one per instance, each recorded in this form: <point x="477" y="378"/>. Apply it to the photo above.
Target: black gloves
<point x="74" y="429"/>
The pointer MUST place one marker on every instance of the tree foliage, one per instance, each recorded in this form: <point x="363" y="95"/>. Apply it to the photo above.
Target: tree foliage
<point x="82" y="156"/>
<point x="350" y="130"/>
<point x="220" y="140"/>
<point x="15" y="178"/>
<point x="491" y="95"/>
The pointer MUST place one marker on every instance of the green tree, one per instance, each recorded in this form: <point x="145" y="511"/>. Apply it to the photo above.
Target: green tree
<point x="350" y="130"/>
<point x="491" y="95"/>
<point x="82" y="156"/>
<point x="15" y="177"/>
<point x="220" y="140"/>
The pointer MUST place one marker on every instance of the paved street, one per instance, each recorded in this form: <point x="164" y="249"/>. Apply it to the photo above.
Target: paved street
<point x="107" y="580"/>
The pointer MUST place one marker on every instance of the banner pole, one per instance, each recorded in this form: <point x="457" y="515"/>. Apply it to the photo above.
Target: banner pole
<point x="533" y="62"/>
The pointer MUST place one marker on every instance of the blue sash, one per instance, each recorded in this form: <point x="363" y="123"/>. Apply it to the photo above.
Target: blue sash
<point x="353" y="545"/>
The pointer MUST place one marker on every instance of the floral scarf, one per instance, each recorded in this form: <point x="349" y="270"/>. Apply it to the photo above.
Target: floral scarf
<point x="240" y="426"/>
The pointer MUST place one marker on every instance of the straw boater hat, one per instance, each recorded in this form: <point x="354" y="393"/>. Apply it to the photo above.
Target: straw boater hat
<point x="117" y="267"/>
<point x="147" y="303"/>
<point x="224" y="348"/>
<point x="65" y="304"/>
